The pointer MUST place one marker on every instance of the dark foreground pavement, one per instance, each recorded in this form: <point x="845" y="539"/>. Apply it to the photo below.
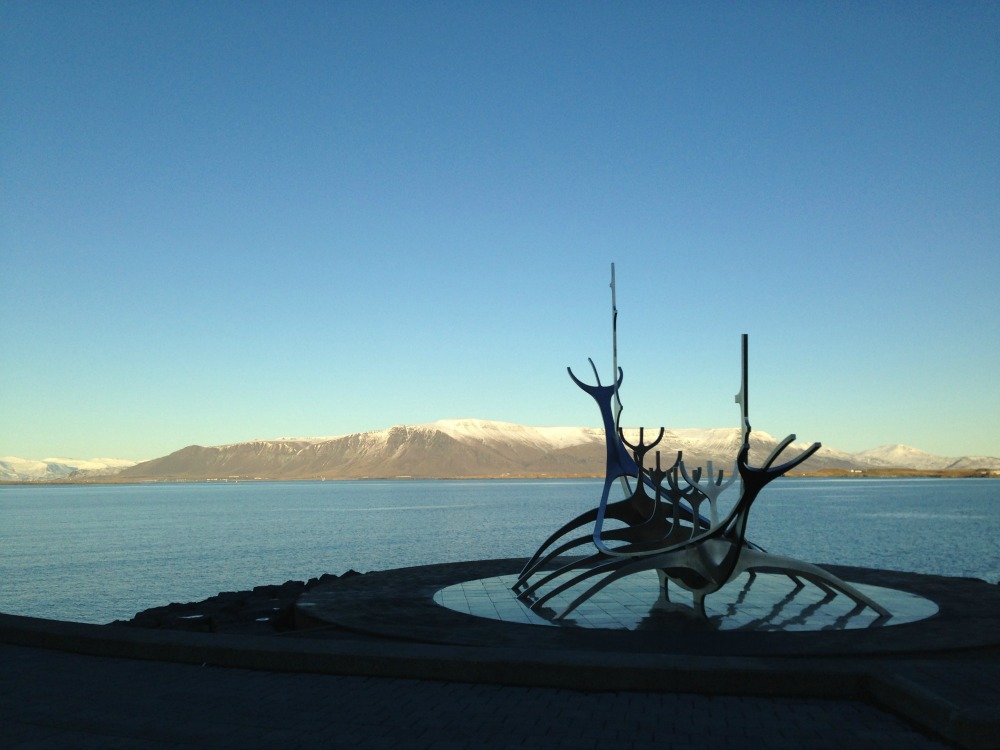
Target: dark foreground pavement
<point x="51" y="699"/>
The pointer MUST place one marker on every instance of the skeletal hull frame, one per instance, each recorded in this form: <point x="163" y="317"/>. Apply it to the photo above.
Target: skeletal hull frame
<point x="662" y="527"/>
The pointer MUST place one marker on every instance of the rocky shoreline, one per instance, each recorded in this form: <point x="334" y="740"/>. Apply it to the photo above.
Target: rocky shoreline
<point x="263" y="610"/>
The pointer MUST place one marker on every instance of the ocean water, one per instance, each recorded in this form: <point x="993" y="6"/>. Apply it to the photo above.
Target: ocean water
<point x="96" y="553"/>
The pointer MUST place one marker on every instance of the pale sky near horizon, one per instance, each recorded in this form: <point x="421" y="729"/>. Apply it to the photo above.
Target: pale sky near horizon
<point x="225" y="221"/>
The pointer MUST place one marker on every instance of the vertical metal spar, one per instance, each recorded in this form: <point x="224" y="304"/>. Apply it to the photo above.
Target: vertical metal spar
<point x="614" y="348"/>
<point x="743" y="396"/>
<point x="617" y="406"/>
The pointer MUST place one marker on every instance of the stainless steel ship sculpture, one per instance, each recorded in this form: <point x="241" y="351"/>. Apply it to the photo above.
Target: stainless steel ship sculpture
<point x="661" y="524"/>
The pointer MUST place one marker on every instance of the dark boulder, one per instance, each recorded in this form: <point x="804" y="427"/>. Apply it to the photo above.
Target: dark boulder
<point x="262" y="610"/>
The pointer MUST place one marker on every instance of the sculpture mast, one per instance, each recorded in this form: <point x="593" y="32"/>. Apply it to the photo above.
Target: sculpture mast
<point x="743" y="395"/>
<point x="614" y="348"/>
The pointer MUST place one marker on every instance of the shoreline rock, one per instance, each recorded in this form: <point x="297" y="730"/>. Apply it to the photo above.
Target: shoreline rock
<point x="263" y="610"/>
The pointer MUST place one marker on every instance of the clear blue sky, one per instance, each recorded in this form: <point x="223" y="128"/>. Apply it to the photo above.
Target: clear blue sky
<point x="230" y="220"/>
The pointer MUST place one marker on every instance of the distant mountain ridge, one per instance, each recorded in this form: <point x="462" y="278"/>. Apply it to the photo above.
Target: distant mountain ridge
<point x="13" y="469"/>
<point x="456" y="448"/>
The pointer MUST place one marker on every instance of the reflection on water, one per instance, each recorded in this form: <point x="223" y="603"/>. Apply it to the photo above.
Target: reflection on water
<point x="765" y="602"/>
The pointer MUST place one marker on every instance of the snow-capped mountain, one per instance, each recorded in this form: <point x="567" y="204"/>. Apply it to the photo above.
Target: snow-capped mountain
<point x="449" y="448"/>
<point x="482" y="448"/>
<point x="13" y="469"/>
<point x="904" y="455"/>
<point x="461" y="448"/>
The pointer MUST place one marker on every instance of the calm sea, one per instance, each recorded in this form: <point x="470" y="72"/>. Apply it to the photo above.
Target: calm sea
<point x="96" y="553"/>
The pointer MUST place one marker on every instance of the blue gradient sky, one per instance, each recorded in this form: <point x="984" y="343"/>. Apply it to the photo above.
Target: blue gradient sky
<point x="224" y="221"/>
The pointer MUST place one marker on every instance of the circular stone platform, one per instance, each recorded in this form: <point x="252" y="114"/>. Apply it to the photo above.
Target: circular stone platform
<point x="471" y="604"/>
<point x="762" y="603"/>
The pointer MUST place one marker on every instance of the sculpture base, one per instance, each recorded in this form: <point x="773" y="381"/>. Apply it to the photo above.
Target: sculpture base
<point x="765" y="602"/>
<point x="445" y="603"/>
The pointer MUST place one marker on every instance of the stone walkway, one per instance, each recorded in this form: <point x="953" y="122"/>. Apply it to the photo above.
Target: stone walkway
<point x="51" y="700"/>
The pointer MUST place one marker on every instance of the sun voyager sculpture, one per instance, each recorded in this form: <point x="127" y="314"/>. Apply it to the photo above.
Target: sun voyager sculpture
<point x="672" y="518"/>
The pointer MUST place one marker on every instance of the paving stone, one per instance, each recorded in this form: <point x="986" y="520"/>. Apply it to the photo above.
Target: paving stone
<point x="221" y="708"/>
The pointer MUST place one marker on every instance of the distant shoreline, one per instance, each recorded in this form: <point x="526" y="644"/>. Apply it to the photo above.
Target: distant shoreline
<point x="823" y="474"/>
<point x="902" y="474"/>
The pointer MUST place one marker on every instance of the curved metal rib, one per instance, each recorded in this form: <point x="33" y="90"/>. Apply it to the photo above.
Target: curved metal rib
<point x="701" y="557"/>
